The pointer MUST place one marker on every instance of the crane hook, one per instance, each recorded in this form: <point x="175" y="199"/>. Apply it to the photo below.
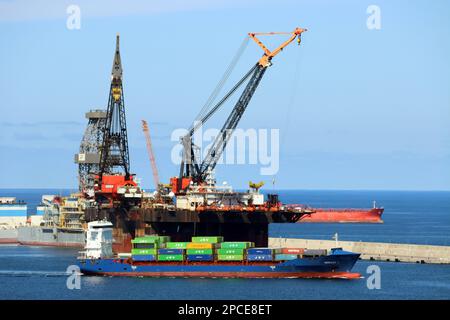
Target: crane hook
<point x="299" y="39"/>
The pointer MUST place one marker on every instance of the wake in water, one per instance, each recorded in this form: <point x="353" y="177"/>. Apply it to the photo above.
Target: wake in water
<point x="30" y="273"/>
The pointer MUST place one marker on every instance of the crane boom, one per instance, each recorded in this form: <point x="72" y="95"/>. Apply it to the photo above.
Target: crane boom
<point x="190" y="168"/>
<point x="151" y="155"/>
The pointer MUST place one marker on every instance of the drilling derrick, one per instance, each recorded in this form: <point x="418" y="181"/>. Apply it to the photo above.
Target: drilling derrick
<point x="114" y="151"/>
<point x="115" y="186"/>
<point x="88" y="158"/>
<point x="117" y="195"/>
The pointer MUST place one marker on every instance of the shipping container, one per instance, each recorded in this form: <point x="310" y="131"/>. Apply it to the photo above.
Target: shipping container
<point x="207" y="239"/>
<point x="144" y="257"/>
<point x="143" y="251"/>
<point x="259" y="251"/>
<point x="151" y="239"/>
<point x="193" y="245"/>
<point x="145" y="240"/>
<point x="200" y="257"/>
<point x="236" y="245"/>
<point x="171" y="257"/>
<point x="315" y="252"/>
<point x="230" y="251"/>
<point x="176" y="245"/>
<point x="144" y="245"/>
<point x="199" y="251"/>
<point x="292" y="250"/>
<point x="259" y="257"/>
<point x="230" y="257"/>
<point x="285" y="256"/>
<point x="170" y="251"/>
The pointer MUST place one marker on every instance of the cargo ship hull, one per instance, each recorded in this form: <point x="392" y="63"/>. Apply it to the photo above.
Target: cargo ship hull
<point x="322" y="215"/>
<point x="51" y="237"/>
<point x="8" y="236"/>
<point x="335" y="265"/>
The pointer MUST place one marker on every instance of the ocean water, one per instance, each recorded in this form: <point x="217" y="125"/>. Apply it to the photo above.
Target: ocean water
<point x="410" y="217"/>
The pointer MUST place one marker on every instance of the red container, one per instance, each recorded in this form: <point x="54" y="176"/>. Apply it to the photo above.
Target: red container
<point x="292" y="250"/>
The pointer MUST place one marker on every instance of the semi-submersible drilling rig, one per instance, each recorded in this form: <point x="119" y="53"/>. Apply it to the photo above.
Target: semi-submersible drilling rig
<point x="192" y="204"/>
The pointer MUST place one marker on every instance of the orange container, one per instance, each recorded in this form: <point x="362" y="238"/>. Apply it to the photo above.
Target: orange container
<point x="195" y="245"/>
<point x="292" y="250"/>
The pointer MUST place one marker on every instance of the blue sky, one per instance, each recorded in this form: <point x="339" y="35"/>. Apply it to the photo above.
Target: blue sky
<point x="356" y="108"/>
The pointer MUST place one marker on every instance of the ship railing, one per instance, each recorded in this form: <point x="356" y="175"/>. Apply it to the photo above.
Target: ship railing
<point x="342" y="209"/>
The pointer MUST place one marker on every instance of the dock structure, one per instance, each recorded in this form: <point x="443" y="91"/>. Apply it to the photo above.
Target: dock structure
<point x="394" y="252"/>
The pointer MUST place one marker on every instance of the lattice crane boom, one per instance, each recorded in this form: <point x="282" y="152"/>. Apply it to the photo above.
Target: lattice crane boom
<point x="190" y="168"/>
<point x="151" y="154"/>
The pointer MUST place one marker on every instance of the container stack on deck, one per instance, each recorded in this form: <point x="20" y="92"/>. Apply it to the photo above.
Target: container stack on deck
<point x="160" y="248"/>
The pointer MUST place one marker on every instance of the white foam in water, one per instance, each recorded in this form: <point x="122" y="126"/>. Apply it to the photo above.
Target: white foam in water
<point x="29" y="273"/>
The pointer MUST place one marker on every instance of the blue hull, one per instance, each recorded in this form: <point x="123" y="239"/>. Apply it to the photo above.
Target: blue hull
<point x="338" y="264"/>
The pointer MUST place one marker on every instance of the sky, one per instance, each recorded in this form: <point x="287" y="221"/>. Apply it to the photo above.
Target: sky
<point x="356" y="108"/>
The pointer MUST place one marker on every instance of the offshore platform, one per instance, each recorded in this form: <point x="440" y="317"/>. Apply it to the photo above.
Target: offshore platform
<point x="192" y="204"/>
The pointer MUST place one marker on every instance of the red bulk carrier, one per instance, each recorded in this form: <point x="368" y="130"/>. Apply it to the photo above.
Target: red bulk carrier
<point x="353" y="215"/>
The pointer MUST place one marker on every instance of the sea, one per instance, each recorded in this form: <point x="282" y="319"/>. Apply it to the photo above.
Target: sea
<point x="416" y="217"/>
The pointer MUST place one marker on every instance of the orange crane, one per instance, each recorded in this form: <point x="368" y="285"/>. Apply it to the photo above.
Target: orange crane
<point x="196" y="170"/>
<point x="151" y="154"/>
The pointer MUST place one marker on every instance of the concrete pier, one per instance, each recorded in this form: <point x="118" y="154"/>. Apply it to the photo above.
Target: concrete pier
<point x="395" y="252"/>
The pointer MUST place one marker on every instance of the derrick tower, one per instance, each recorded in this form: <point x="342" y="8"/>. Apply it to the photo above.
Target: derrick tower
<point x="114" y="155"/>
<point x="88" y="158"/>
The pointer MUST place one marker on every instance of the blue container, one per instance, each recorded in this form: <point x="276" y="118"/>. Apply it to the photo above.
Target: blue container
<point x="200" y="257"/>
<point x="144" y="257"/>
<point x="259" y="257"/>
<point x="263" y="251"/>
<point x="170" y="251"/>
<point x="285" y="256"/>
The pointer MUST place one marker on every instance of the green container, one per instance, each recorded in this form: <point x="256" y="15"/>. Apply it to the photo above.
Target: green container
<point x="230" y="257"/>
<point x="225" y="251"/>
<point x="144" y="240"/>
<point x="143" y="251"/>
<point x="199" y="251"/>
<point x="207" y="239"/>
<point x="145" y="245"/>
<point x="176" y="245"/>
<point x="163" y="239"/>
<point x="151" y="239"/>
<point x="236" y="245"/>
<point x="171" y="257"/>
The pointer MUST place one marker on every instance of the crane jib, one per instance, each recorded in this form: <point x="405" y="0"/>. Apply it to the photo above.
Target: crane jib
<point x="198" y="172"/>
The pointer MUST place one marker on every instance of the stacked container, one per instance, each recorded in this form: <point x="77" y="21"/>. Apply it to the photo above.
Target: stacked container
<point x="202" y="248"/>
<point x="289" y="254"/>
<point x="172" y="251"/>
<point x="233" y="251"/>
<point x="260" y="254"/>
<point x="145" y="248"/>
<point x="160" y="248"/>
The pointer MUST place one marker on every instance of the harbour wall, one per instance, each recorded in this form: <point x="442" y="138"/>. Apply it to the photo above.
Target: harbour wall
<point x="395" y="252"/>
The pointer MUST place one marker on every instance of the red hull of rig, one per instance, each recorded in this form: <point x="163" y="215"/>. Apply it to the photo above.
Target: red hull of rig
<point x="330" y="215"/>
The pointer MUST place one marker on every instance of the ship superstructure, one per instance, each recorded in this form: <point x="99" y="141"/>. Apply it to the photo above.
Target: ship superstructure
<point x="60" y="225"/>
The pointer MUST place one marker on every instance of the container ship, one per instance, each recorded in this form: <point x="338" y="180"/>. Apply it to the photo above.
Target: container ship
<point x="211" y="257"/>
<point x="13" y="214"/>
<point x="352" y="215"/>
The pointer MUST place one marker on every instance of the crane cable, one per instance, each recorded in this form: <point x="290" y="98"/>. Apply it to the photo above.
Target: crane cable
<point x="223" y="80"/>
<point x="291" y="101"/>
